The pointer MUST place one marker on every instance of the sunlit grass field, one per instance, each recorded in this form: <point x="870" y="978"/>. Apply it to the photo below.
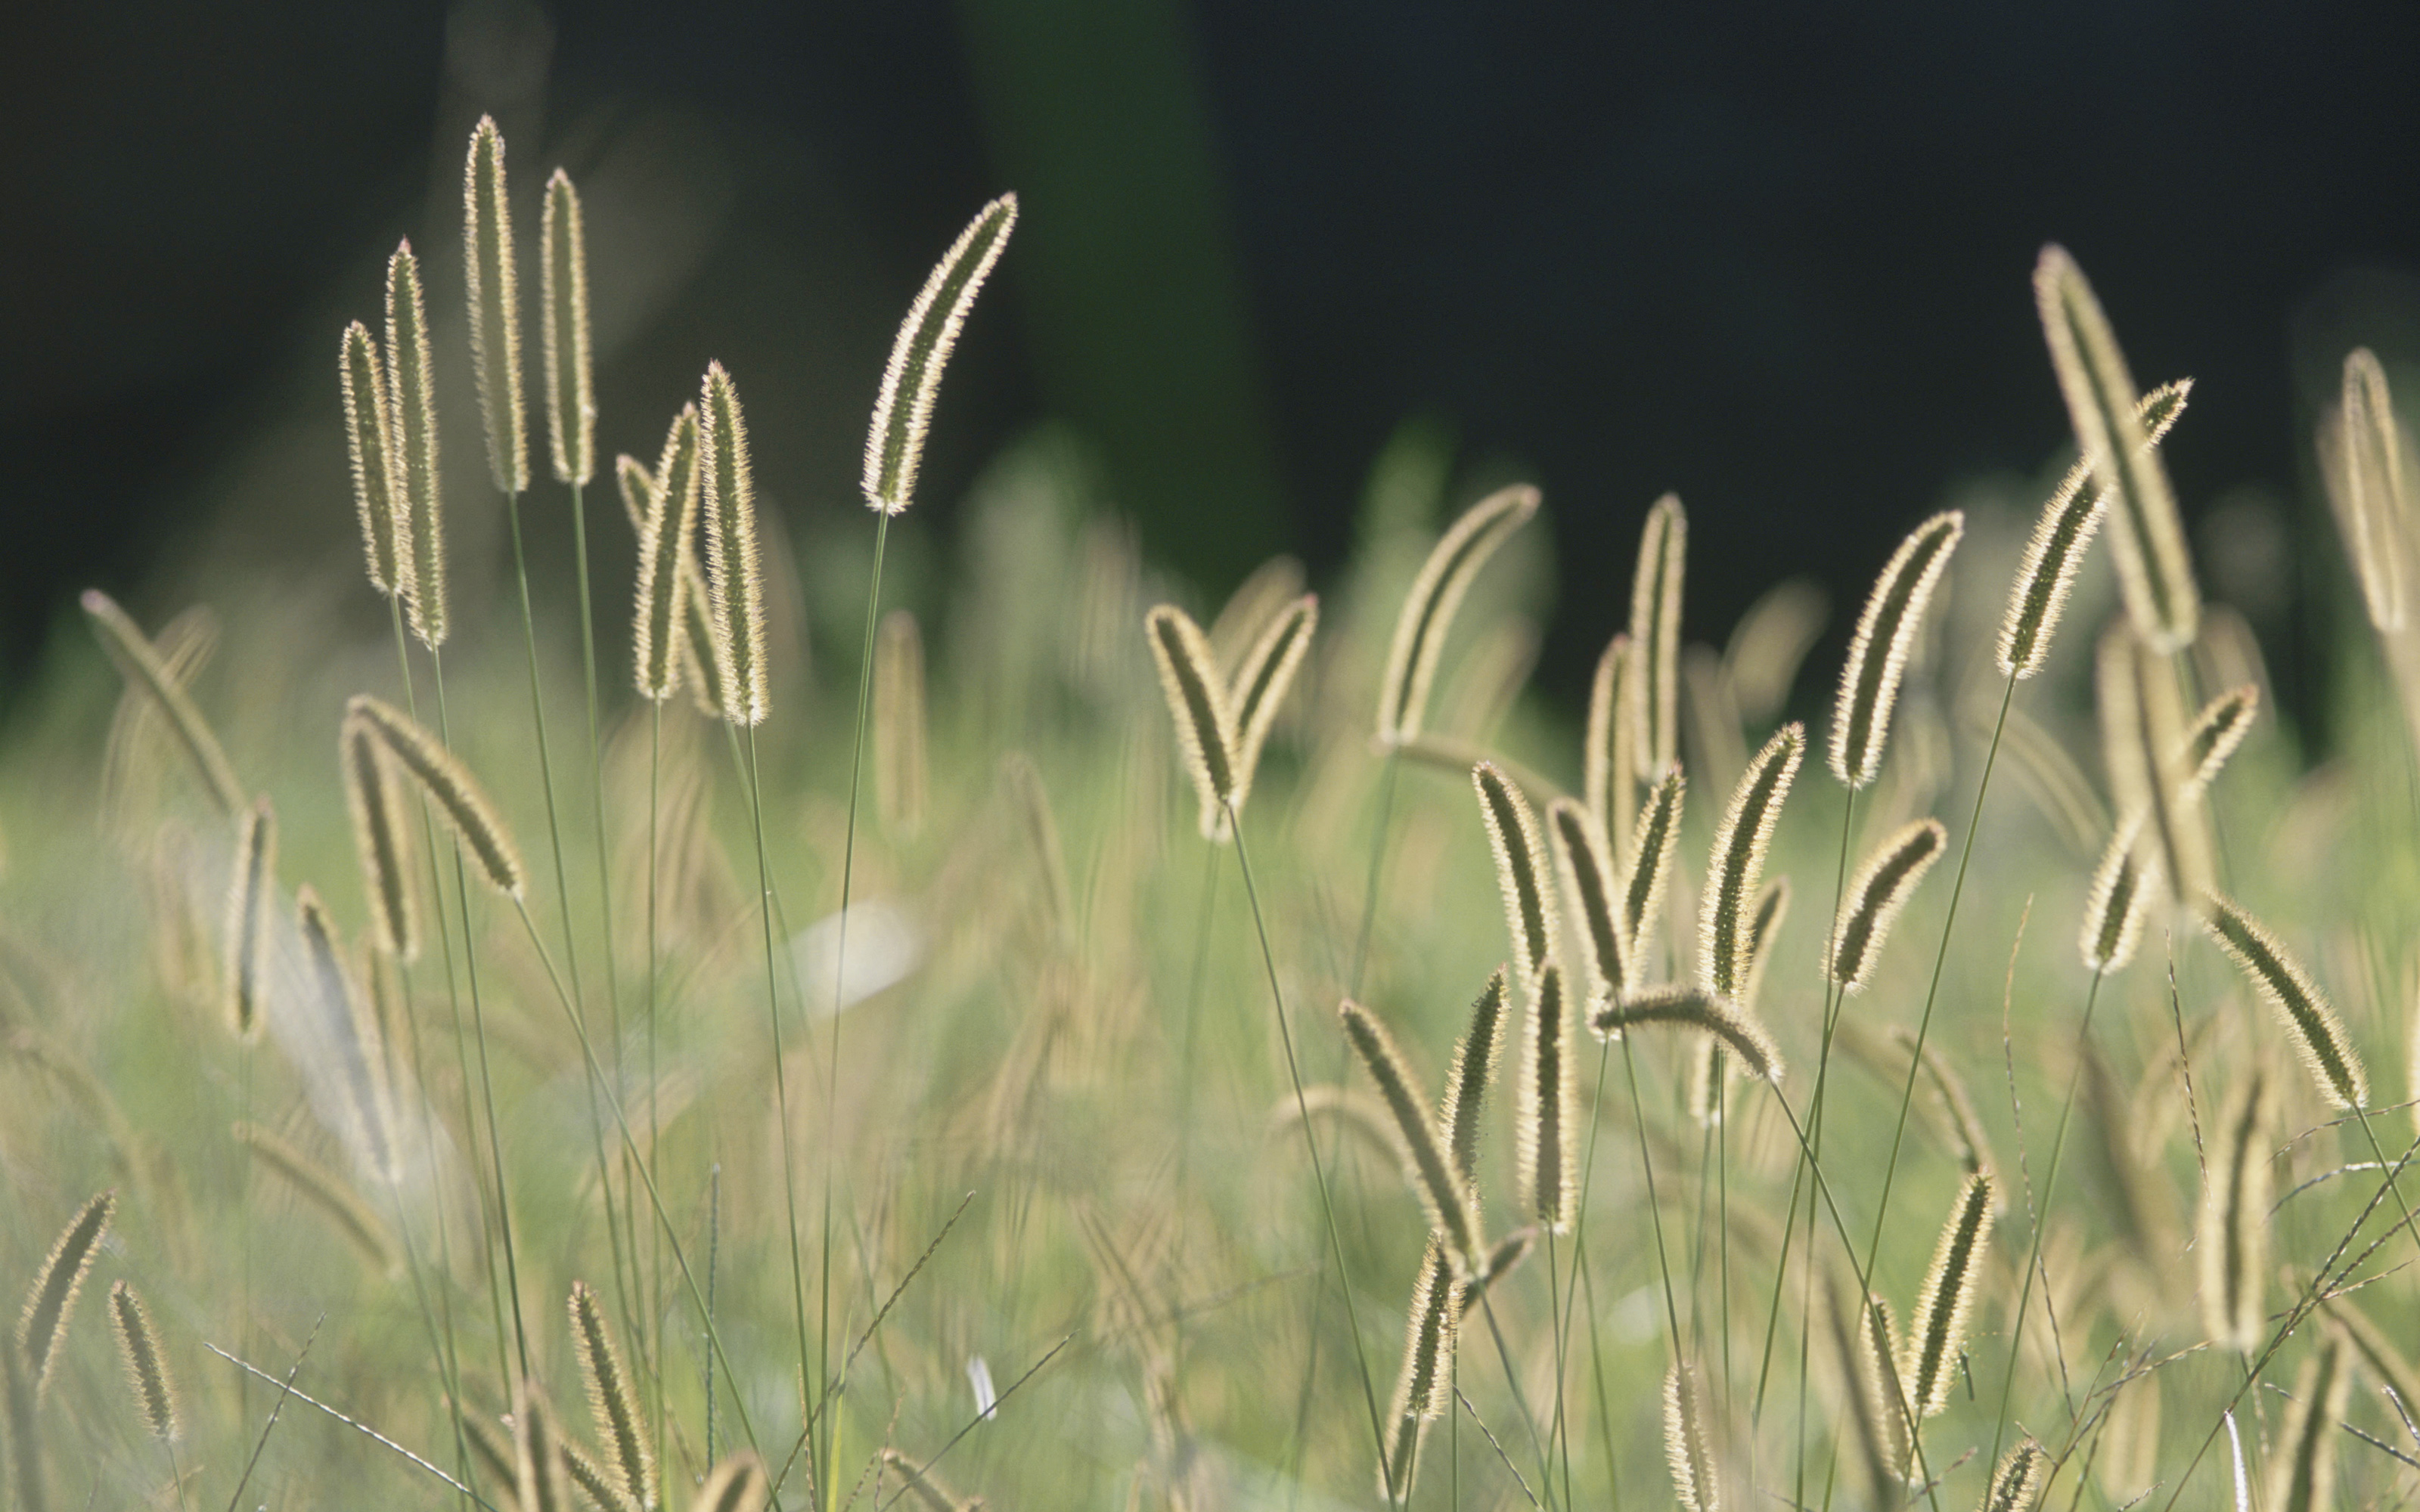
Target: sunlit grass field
<point x="939" y="1086"/>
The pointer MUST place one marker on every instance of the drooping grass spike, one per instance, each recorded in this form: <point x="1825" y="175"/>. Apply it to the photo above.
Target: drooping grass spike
<point x="613" y="1399"/>
<point x="1937" y="1332"/>
<point x="1581" y="861"/>
<point x="378" y="471"/>
<point x="1261" y="682"/>
<point x="1880" y="889"/>
<point x="735" y="578"/>
<point x="360" y="1066"/>
<point x="1467" y="1082"/>
<point x="495" y="306"/>
<point x="380" y="842"/>
<point x="251" y="884"/>
<point x="1741" y="842"/>
<point x="456" y="793"/>
<point x="667" y="560"/>
<point x="2038" y="594"/>
<point x="563" y="290"/>
<point x="1205" y="732"/>
<point x="2318" y="1034"/>
<point x="423" y="519"/>
<point x="2146" y="538"/>
<point x="1423" y="1389"/>
<point x="1886" y="630"/>
<point x="2234" y="1238"/>
<point x="1520" y="868"/>
<point x="1655" y="632"/>
<point x="1656" y="838"/>
<point x="1426" y="1164"/>
<point x="1693" y="1008"/>
<point x="2366" y="462"/>
<point x="52" y="1296"/>
<point x="2123" y="885"/>
<point x="903" y="410"/>
<point x="147" y="1369"/>
<point x="1545" y="1112"/>
<point x="139" y="663"/>
<point x="1429" y="608"/>
<point x="900" y="774"/>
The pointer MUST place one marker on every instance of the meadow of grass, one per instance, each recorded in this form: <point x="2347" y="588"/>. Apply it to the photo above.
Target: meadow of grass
<point x="585" y="1052"/>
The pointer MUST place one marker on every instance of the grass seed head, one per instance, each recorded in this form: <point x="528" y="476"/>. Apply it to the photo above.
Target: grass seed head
<point x="1520" y="868"/>
<point x="737" y="1484"/>
<point x="1581" y="861"/>
<point x="1880" y="890"/>
<point x="1929" y="1358"/>
<point x="1694" y="1009"/>
<point x="2326" y="1048"/>
<point x="1655" y="839"/>
<point x="2234" y="1240"/>
<point x="2303" y="1465"/>
<point x="2216" y="732"/>
<point x="563" y="290"/>
<point x="1424" y="1388"/>
<point x="538" y="1472"/>
<point x="140" y="664"/>
<point x="1878" y="655"/>
<point x="1688" y="1447"/>
<point x="621" y="1426"/>
<point x="1610" y="770"/>
<point x="2018" y="1478"/>
<point x="1546" y="1114"/>
<point x="1197" y="700"/>
<point x="736" y="579"/>
<point x="1737" y="866"/>
<point x="147" y="1372"/>
<point x="1467" y="1083"/>
<point x="422" y="521"/>
<point x="495" y="306"/>
<point x="903" y="410"/>
<point x="51" y="1298"/>
<point x="369" y="438"/>
<point x="2147" y="536"/>
<point x="1427" y="1166"/>
<point x="251" y="886"/>
<point x="1429" y="608"/>
<point x="2123" y="885"/>
<point x="1260" y="685"/>
<point x="1655" y="630"/>
<point x="447" y="780"/>
<point x="667" y="560"/>
<point x="2366" y="461"/>
<point x="381" y="841"/>
<point x="360" y="1061"/>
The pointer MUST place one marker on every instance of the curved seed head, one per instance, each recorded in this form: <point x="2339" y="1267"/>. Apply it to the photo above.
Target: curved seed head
<point x="1197" y="700"/>
<point x="2233" y="1244"/>
<point x="147" y="1370"/>
<point x="250" y="888"/>
<point x="1261" y="682"/>
<point x="1582" y="862"/>
<point x="621" y="1426"/>
<point x="1880" y="889"/>
<point x="1929" y="1359"/>
<point x="1692" y="1007"/>
<point x="2365" y="460"/>
<point x="2146" y="538"/>
<point x="737" y="1484"/>
<point x="1741" y="842"/>
<point x="422" y="522"/>
<point x="1429" y="608"/>
<point x="668" y="501"/>
<point x="1656" y="838"/>
<point x="370" y="439"/>
<point x="495" y="306"/>
<point x="2038" y="595"/>
<point x="736" y="581"/>
<point x="903" y="410"/>
<point x="382" y="842"/>
<point x="2318" y="1033"/>
<point x="1545" y="1113"/>
<point x="1520" y="868"/>
<point x="1687" y="1446"/>
<point x="1878" y="656"/>
<point x="52" y="1296"/>
<point x="1655" y="630"/>
<point x="1472" y="1072"/>
<point x="1427" y="1166"/>
<point x="139" y="662"/>
<point x="2018" y="1478"/>
<point x="570" y="381"/>
<point x="1424" y="1388"/>
<point x="2303" y="1465"/>
<point x="450" y="784"/>
<point x="1610" y="768"/>
<point x="360" y="1059"/>
<point x="2216" y="732"/>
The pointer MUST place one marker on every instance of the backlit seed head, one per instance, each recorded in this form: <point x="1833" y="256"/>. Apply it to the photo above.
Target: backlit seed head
<point x="1655" y="632"/>
<point x="495" y="306"/>
<point x="904" y="411"/>
<point x="1429" y="608"/>
<point x="570" y="381"/>
<point x="1737" y="865"/>
<point x="1878" y="656"/>
<point x="734" y="576"/>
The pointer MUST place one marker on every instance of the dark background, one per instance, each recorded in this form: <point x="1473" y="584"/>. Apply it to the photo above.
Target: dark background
<point x="1774" y="257"/>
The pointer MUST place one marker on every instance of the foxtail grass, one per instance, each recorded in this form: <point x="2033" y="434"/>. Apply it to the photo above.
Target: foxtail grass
<point x="1693" y="1008"/>
<point x="2318" y="1034"/>
<point x="250" y="888"/>
<point x="2144" y="743"/>
<point x="1655" y="839"/>
<point x="333" y="1197"/>
<point x="2215" y="734"/>
<point x="141" y="666"/>
<point x="1737" y="864"/>
<point x="1196" y="703"/>
<point x="380" y="843"/>
<point x="2123" y="885"/>
<point x="1435" y="595"/>
<point x="1473" y="1071"/>
<point x="1581" y="861"/>
<point x="1878" y="656"/>
<point x="450" y="785"/>
<point x="1655" y="632"/>
<point x="1546" y="1115"/>
<point x="612" y="1399"/>
<point x="147" y="1369"/>
<point x="902" y="412"/>
<point x="52" y="1298"/>
<point x="1689" y="1448"/>
<point x="1880" y="889"/>
<point x="2302" y="1466"/>
<point x="1258" y="689"/>
<point x="421" y="522"/>
<point x="495" y="306"/>
<point x="571" y="377"/>
<point x="539" y="1478"/>
<point x="369" y="438"/>
<point x="1520" y="869"/>
<point x="2017" y="1479"/>
<point x="1438" y="1182"/>
<point x="1609" y="768"/>
<point x="1422" y="1389"/>
<point x="2233" y="1242"/>
<point x="2365" y="458"/>
<point x="1937" y="1331"/>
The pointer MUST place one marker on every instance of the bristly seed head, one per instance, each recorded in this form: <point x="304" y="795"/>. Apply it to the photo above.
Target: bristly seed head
<point x="1610" y="768"/>
<point x="1580" y="860"/>
<point x="1432" y="1173"/>
<point x="52" y="1295"/>
<point x="380" y="842"/>
<point x="2233" y="1244"/>
<point x="621" y="1426"/>
<point x="1938" y="1330"/>
<point x="904" y="411"/>
<point x="250" y="887"/>
<point x="1655" y="839"/>
<point x="1655" y="632"/>
<point x="1520" y="868"/>
<point x="422" y="520"/>
<point x="2302" y="1464"/>
<point x="1878" y="656"/>
<point x="1429" y="608"/>
<point x="147" y="1372"/>
<point x="2326" y="1048"/>
<point x="2365" y="460"/>
<point x="378" y="471"/>
<point x="570" y="381"/>
<point x="1880" y="889"/>
<point x="1425" y="1389"/>
<point x="1692" y="1007"/>
<point x="1467" y="1080"/>
<point x="495" y="306"/>
<point x="1546" y="1113"/>
<point x="2018" y="1478"/>
<point x="1741" y="842"/>
<point x="1261" y="682"/>
<point x="667" y="559"/>
<point x="1686" y="1446"/>
<point x="735" y="578"/>
<point x="458" y="794"/>
<point x="1196" y="702"/>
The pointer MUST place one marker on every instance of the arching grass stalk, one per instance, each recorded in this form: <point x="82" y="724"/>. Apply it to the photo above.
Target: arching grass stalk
<point x="2033" y="1252"/>
<point x="1311" y="1142"/>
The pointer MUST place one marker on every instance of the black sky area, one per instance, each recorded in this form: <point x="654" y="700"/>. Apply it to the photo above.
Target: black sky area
<point x="1774" y="257"/>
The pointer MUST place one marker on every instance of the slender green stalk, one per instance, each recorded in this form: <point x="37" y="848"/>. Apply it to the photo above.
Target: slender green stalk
<point x="1318" y="1170"/>
<point x="655" y="1083"/>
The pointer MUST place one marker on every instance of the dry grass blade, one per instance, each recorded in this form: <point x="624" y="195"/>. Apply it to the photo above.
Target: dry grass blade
<point x="1472" y="1072"/>
<point x="422" y="521"/>
<point x="563" y="290"/>
<point x="735" y="578"/>
<point x="621" y="1426"/>
<point x="737" y="1485"/>
<point x="1205" y="733"/>
<point x="1655" y="839"/>
<point x="539" y="1472"/>
<point x="1655" y="630"/>
<point x="250" y="887"/>
<point x="1692" y="1007"/>
<point x="900" y="779"/>
<point x="1587" y="893"/>
<point x="1520" y="868"/>
<point x="913" y="376"/>
<point x="1741" y="842"/>
<point x="1546" y="1114"/>
<point x="1880" y="890"/>
<point x="1938" y="1330"/>
<point x="1423" y="1390"/>
<point x="2122" y="885"/>
<point x="1426" y="1164"/>
<point x="1686" y="1446"/>
<point x="1878" y="655"/>
<point x="2234" y="1240"/>
<point x="2365" y="458"/>
<point x="1260" y="685"/>
<point x="495" y="308"/>
<point x="2320" y="1036"/>
<point x="370" y="441"/>
<point x="2147" y="537"/>
<point x="52" y="1296"/>
<point x="458" y="794"/>
<point x="330" y="1193"/>
<point x="667" y="560"/>
<point x="2018" y="1478"/>
<point x="380" y="842"/>
<point x="1610" y="769"/>
<point x="1436" y="595"/>
<point x="2038" y="594"/>
<point x="147" y="1372"/>
<point x="142" y="668"/>
<point x="2302" y="1466"/>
